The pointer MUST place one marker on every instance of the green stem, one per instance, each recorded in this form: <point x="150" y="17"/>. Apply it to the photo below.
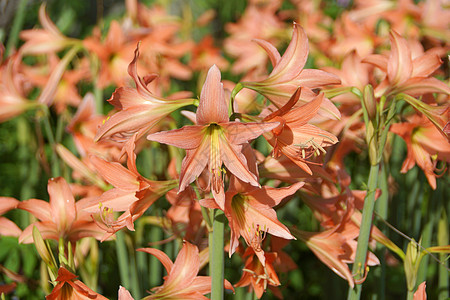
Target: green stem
<point x="364" y="233"/>
<point x="16" y="27"/>
<point x="155" y="264"/>
<point x="217" y="255"/>
<point x="122" y="259"/>
<point x="410" y="295"/>
<point x="55" y="167"/>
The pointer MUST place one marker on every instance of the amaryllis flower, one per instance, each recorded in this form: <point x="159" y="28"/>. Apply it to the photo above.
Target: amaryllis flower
<point x="8" y="227"/>
<point x="405" y="74"/>
<point x="214" y="140"/>
<point x="250" y="214"/>
<point x="288" y="74"/>
<point x="294" y="137"/>
<point x="13" y="101"/>
<point x="182" y="281"/>
<point x="139" y="109"/>
<point x="62" y="217"/>
<point x="46" y="40"/>
<point x="259" y="276"/>
<point x="132" y="193"/>
<point x="69" y="287"/>
<point x="425" y="145"/>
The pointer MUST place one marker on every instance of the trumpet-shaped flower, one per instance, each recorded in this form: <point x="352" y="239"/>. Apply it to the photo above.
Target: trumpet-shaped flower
<point x="425" y="145"/>
<point x="294" y="137"/>
<point x="250" y="214"/>
<point x="214" y="140"/>
<point x="69" y="287"/>
<point x="405" y="74"/>
<point x="132" y="193"/>
<point x="61" y="218"/>
<point x="182" y="281"/>
<point x="259" y="276"/>
<point x="288" y="74"/>
<point x="139" y="109"/>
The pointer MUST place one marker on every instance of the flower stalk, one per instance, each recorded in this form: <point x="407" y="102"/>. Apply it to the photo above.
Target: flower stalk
<point x="216" y="266"/>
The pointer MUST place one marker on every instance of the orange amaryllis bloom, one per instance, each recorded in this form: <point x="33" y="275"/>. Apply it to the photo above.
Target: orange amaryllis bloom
<point x="214" y="140"/>
<point x="13" y="101"/>
<point x="139" y="109"/>
<point x="46" y="40"/>
<point x="250" y="214"/>
<point x="8" y="227"/>
<point x="182" y="281"/>
<point x="69" y="287"/>
<point x="294" y="137"/>
<point x="132" y="193"/>
<point x="61" y="218"/>
<point x="259" y="276"/>
<point x="288" y="74"/>
<point x="425" y="145"/>
<point x="405" y="74"/>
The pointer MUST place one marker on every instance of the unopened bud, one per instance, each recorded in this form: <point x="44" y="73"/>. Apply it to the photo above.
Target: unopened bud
<point x="370" y="103"/>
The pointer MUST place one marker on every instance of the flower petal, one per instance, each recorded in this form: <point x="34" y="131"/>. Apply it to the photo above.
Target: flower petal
<point x="400" y="66"/>
<point x="213" y="106"/>
<point x="62" y="203"/>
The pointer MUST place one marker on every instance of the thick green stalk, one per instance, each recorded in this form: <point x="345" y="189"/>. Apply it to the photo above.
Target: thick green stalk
<point x="217" y="255"/>
<point x="359" y="269"/>
<point x="122" y="259"/>
<point x="155" y="274"/>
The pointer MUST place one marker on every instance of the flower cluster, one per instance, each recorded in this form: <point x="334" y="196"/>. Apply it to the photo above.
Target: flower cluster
<point x="206" y="144"/>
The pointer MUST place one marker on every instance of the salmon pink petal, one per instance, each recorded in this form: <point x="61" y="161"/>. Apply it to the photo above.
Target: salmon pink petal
<point x="425" y="65"/>
<point x="273" y="196"/>
<point x="62" y="203"/>
<point x="161" y="256"/>
<point x="46" y="228"/>
<point x="116" y="174"/>
<point x="185" y="267"/>
<point x="377" y="60"/>
<point x="7" y="203"/>
<point x="187" y="137"/>
<point x="9" y="228"/>
<point x="400" y="64"/>
<point x="421" y="293"/>
<point x="273" y="53"/>
<point x="123" y="293"/>
<point x="118" y="200"/>
<point x="419" y="86"/>
<point x="240" y="133"/>
<point x="213" y="106"/>
<point x="193" y="164"/>
<point x="293" y="59"/>
<point x="313" y="78"/>
<point x="236" y="162"/>
<point x="38" y="208"/>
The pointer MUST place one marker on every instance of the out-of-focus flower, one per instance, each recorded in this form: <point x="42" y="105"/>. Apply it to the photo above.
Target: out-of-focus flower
<point x="405" y="74"/>
<point x="214" y="140"/>
<point x="182" y="281"/>
<point x="13" y="101"/>
<point x="139" y="109"/>
<point x="259" y="276"/>
<point x="205" y="54"/>
<point x="114" y="53"/>
<point x="69" y="287"/>
<point x="259" y="21"/>
<point x="62" y="217"/>
<point x="46" y="40"/>
<point x="425" y="145"/>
